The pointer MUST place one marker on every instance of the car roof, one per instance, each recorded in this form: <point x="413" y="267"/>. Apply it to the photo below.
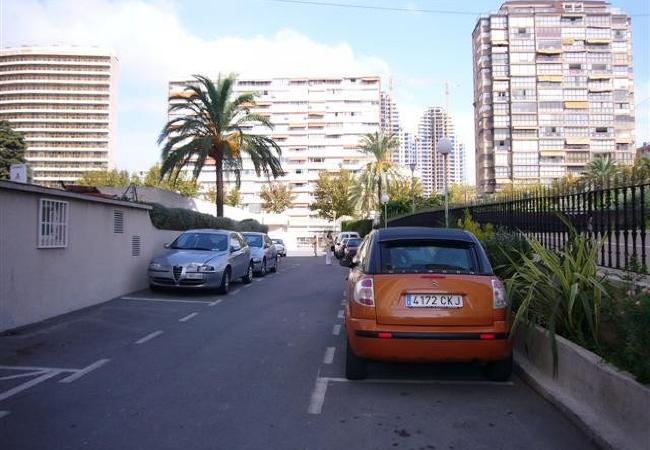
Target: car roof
<point x="207" y="230"/>
<point x="392" y="233"/>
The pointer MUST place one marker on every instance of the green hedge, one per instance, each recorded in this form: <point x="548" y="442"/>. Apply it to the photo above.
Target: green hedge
<point x="181" y="219"/>
<point x="363" y="226"/>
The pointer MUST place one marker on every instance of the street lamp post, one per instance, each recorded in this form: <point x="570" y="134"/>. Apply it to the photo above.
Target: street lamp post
<point x="412" y="167"/>
<point x="444" y="148"/>
<point x="384" y="200"/>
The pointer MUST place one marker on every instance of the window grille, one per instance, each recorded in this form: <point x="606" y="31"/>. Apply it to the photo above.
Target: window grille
<point x="52" y="224"/>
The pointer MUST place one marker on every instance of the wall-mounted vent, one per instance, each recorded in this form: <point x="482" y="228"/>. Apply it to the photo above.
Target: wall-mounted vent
<point x="136" y="245"/>
<point x="118" y="221"/>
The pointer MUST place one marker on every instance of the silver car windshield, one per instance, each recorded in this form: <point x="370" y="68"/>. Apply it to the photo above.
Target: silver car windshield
<point x="201" y="241"/>
<point x="254" y="240"/>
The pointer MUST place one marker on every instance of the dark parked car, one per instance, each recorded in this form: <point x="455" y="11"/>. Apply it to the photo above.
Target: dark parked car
<point x="349" y="250"/>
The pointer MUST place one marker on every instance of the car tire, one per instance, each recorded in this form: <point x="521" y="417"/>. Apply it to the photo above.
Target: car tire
<point x="499" y="370"/>
<point x="275" y="266"/>
<point x="225" y="282"/>
<point x="248" y="278"/>
<point x="355" y="367"/>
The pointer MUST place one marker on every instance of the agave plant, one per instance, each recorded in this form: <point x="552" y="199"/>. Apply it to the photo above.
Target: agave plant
<point x="560" y="290"/>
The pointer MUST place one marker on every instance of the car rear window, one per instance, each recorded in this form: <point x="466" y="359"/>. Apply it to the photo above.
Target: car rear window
<point x="354" y="242"/>
<point x="417" y="256"/>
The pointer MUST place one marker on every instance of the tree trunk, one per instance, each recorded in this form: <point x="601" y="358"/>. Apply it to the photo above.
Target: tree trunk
<point x="219" y="171"/>
<point x="379" y="192"/>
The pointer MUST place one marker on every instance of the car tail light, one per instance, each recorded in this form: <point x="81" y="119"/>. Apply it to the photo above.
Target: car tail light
<point x="499" y="298"/>
<point x="364" y="292"/>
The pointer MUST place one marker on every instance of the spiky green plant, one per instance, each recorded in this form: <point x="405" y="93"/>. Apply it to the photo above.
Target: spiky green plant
<point x="560" y="290"/>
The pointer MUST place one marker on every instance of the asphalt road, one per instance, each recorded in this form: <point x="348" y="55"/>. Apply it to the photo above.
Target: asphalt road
<point x="261" y="368"/>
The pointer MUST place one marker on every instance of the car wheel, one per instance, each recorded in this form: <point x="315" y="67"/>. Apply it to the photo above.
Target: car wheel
<point x="355" y="367"/>
<point x="225" y="282"/>
<point x="499" y="370"/>
<point x="275" y="266"/>
<point x="248" y="278"/>
<point x="263" y="269"/>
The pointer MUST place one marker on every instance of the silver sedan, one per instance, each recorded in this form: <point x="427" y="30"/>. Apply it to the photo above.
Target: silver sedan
<point x="203" y="259"/>
<point x="263" y="253"/>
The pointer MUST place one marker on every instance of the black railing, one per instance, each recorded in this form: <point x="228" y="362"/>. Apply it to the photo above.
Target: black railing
<point x="615" y="212"/>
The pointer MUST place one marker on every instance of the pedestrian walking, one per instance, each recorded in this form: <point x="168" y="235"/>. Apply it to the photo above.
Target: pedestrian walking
<point x="314" y="243"/>
<point x="329" y="248"/>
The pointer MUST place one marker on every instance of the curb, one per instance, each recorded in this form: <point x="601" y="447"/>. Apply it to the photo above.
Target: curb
<point x="567" y="408"/>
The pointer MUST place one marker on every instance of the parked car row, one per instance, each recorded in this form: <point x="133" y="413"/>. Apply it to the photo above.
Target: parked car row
<point x="211" y="259"/>
<point x="419" y="294"/>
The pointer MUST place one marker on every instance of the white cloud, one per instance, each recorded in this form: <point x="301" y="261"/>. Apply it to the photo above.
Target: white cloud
<point x="153" y="47"/>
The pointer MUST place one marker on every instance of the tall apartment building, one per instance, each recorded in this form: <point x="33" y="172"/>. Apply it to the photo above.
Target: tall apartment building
<point x="553" y="88"/>
<point x="318" y="123"/>
<point x="63" y="99"/>
<point x="435" y="124"/>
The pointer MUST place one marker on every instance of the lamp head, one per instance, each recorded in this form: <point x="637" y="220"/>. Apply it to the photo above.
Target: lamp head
<point x="445" y="146"/>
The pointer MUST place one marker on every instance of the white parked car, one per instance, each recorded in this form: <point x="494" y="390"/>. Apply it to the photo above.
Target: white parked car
<point x="280" y="247"/>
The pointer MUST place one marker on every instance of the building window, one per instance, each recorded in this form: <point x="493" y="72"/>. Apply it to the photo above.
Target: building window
<point x="52" y="224"/>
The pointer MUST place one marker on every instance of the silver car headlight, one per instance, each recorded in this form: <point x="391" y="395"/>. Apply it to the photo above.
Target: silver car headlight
<point x="205" y="269"/>
<point x="158" y="267"/>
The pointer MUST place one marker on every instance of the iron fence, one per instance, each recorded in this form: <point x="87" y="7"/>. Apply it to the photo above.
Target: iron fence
<point x="615" y="212"/>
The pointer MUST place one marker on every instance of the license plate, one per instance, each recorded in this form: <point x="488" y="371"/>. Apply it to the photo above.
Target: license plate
<point x="194" y="276"/>
<point x="434" y="301"/>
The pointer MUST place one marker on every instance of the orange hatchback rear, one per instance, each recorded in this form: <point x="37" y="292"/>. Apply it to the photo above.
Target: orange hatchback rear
<point x="425" y="294"/>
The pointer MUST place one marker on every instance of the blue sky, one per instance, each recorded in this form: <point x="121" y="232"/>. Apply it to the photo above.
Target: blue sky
<point x="161" y="39"/>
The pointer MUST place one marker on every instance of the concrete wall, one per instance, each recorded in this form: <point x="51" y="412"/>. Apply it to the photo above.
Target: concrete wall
<point x="606" y="403"/>
<point x="96" y="266"/>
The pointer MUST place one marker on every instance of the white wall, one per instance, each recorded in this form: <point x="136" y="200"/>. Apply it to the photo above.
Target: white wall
<point x="96" y="266"/>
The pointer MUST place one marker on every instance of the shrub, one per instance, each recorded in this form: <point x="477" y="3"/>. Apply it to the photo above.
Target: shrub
<point x="625" y="328"/>
<point x="180" y="219"/>
<point x="505" y="250"/>
<point x="482" y="232"/>
<point x="363" y="226"/>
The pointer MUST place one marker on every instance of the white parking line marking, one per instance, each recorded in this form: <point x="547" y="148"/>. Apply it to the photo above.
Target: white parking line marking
<point x="4" y="414"/>
<point x="329" y="355"/>
<point x="84" y="371"/>
<point x="151" y="299"/>
<point x="257" y="280"/>
<point x="215" y="303"/>
<point x="318" y="396"/>
<point x="235" y="292"/>
<point x="188" y="317"/>
<point x="248" y="285"/>
<point x="38" y="369"/>
<point x="11" y="392"/>
<point x="23" y="375"/>
<point x="149" y="337"/>
<point x="336" y="330"/>
<point x="340" y="314"/>
<point x="443" y="382"/>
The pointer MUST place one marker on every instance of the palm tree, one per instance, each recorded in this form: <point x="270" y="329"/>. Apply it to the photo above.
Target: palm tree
<point x="379" y="174"/>
<point x="209" y="128"/>
<point x="600" y="169"/>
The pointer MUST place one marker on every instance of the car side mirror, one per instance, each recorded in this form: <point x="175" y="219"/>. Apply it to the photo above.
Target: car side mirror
<point x="232" y="249"/>
<point x="166" y="245"/>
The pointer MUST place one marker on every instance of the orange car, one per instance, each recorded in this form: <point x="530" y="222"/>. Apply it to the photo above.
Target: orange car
<point x="425" y="294"/>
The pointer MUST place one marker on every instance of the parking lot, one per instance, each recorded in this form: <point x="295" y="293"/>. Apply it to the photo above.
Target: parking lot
<point x="262" y="367"/>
